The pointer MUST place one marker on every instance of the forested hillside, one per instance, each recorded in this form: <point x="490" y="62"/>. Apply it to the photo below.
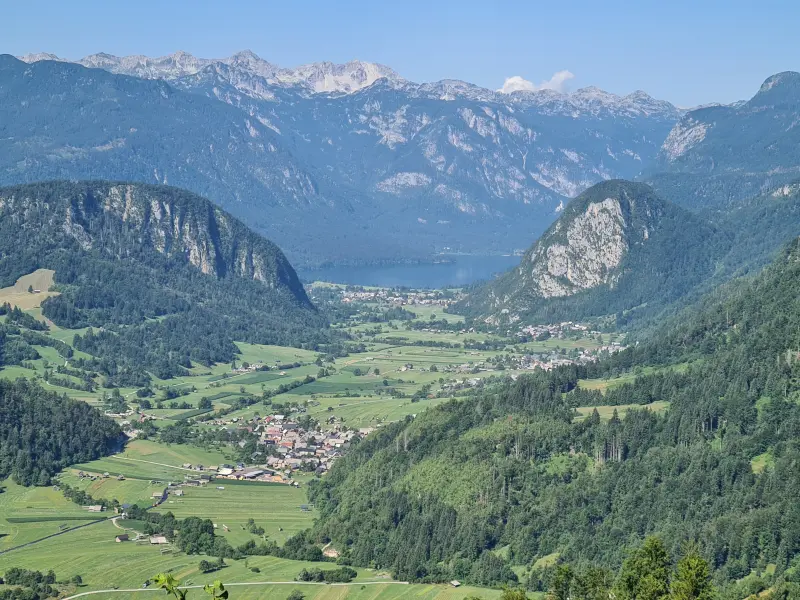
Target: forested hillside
<point x="473" y="487"/>
<point x="161" y="277"/>
<point x="42" y="432"/>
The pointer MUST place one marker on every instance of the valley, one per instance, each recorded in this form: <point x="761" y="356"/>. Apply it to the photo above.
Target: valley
<point x="410" y="356"/>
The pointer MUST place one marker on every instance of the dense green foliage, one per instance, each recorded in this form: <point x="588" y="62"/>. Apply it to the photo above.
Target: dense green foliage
<point x="340" y="575"/>
<point x="28" y="585"/>
<point x="42" y="432"/>
<point x="436" y="497"/>
<point x="162" y="278"/>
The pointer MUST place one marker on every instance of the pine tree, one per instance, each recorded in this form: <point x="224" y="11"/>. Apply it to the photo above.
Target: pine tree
<point x="645" y="574"/>
<point x="692" y="579"/>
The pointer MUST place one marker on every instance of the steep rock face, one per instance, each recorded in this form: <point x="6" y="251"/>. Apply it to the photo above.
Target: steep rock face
<point x="615" y="247"/>
<point x="116" y="219"/>
<point x="595" y="245"/>
<point x="586" y="246"/>
<point x="718" y="156"/>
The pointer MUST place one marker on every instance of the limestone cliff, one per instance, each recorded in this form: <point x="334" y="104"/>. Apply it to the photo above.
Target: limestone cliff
<point x="616" y="246"/>
<point x="120" y="219"/>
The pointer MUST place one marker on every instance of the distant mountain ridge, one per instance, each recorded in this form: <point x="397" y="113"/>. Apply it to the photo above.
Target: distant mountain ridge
<point x="717" y="156"/>
<point x="316" y="77"/>
<point x="350" y="77"/>
<point x="377" y="169"/>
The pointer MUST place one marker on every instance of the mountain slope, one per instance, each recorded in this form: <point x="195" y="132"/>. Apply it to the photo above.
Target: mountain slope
<point x="720" y="155"/>
<point x="615" y="247"/>
<point x="505" y="478"/>
<point x="379" y="168"/>
<point x="169" y="278"/>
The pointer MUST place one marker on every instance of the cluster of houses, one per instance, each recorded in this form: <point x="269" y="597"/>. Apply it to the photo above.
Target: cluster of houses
<point x="291" y="448"/>
<point x="287" y="448"/>
<point x="398" y="298"/>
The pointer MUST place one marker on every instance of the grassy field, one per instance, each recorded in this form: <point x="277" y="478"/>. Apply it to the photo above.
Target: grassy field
<point x="35" y="512"/>
<point x="128" y="491"/>
<point x="143" y="459"/>
<point x="275" y="507"/>
<point x="18" y="295"/>
<point x="606" y="412"/>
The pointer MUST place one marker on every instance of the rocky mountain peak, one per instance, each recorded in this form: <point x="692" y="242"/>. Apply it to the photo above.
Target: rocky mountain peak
<point x="586" y="245"/>
<point x="37" y="56"/>
<point x="778" y="89"/>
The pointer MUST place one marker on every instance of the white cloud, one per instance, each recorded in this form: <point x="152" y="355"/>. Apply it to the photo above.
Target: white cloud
<point x="557" y="82"/>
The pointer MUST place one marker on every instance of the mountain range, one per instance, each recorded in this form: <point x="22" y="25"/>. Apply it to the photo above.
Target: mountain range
<point x="336" y="163"/>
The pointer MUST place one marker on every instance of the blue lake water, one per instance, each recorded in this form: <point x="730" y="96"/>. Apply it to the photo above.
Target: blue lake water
<point x="461" y="271"/>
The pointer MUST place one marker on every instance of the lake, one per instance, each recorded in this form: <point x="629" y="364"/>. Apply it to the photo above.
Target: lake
<point x="463" y="270"/>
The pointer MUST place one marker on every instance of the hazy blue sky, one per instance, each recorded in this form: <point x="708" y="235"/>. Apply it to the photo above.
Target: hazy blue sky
<point x="685" y="52"/>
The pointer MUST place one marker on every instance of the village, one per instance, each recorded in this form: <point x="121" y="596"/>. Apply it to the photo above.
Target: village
<point x="395" y="297"/>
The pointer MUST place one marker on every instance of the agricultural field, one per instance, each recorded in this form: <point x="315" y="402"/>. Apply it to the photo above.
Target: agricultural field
<point x="30" y="513"/>
<point x="148" y="460"/>
<point x="363" y="389"/>
<point x="280" y="509"/>
<point x="40" y="282"/>
<point x="392" y="369"/>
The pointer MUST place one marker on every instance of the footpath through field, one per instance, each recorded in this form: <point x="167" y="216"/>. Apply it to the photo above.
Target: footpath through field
<point x="114" y="456"/>
<point x="194" y="587"/>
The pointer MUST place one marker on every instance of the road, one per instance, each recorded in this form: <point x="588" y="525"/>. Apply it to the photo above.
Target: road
<point x="227" y="585"/>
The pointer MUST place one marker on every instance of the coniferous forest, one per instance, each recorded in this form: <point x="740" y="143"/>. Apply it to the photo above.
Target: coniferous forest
<point x="42" y="432"/>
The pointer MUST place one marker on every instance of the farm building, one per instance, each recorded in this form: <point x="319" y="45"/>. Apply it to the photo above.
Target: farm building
<point x="158" y="539"/>
<point x="96" y="508"/>
<point x="178" y="493"/>
<point x="122" y="537"/>
<point x="251" y="473"/>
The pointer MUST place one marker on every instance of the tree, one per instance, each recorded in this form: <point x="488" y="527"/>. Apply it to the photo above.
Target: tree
<point x="205" y="403"/>
<point x="77" y="579"/>
<point x="560" y="583"/>
<point x="645" y="574"/>
<point x="510" y="593"/>
<point x="692" y="579"/>
<point x="30" y="289"/>
<point x="296" y="595"/>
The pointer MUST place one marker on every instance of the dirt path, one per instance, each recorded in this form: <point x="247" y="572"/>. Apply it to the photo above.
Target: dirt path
<point x="151" y="463"/>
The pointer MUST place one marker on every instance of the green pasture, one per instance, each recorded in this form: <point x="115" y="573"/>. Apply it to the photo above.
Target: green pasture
<point x="273" y="506"/>
<point x="27" y="514"/>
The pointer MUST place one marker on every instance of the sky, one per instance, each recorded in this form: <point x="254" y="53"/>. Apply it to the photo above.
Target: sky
<point x="689" y="53"/>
